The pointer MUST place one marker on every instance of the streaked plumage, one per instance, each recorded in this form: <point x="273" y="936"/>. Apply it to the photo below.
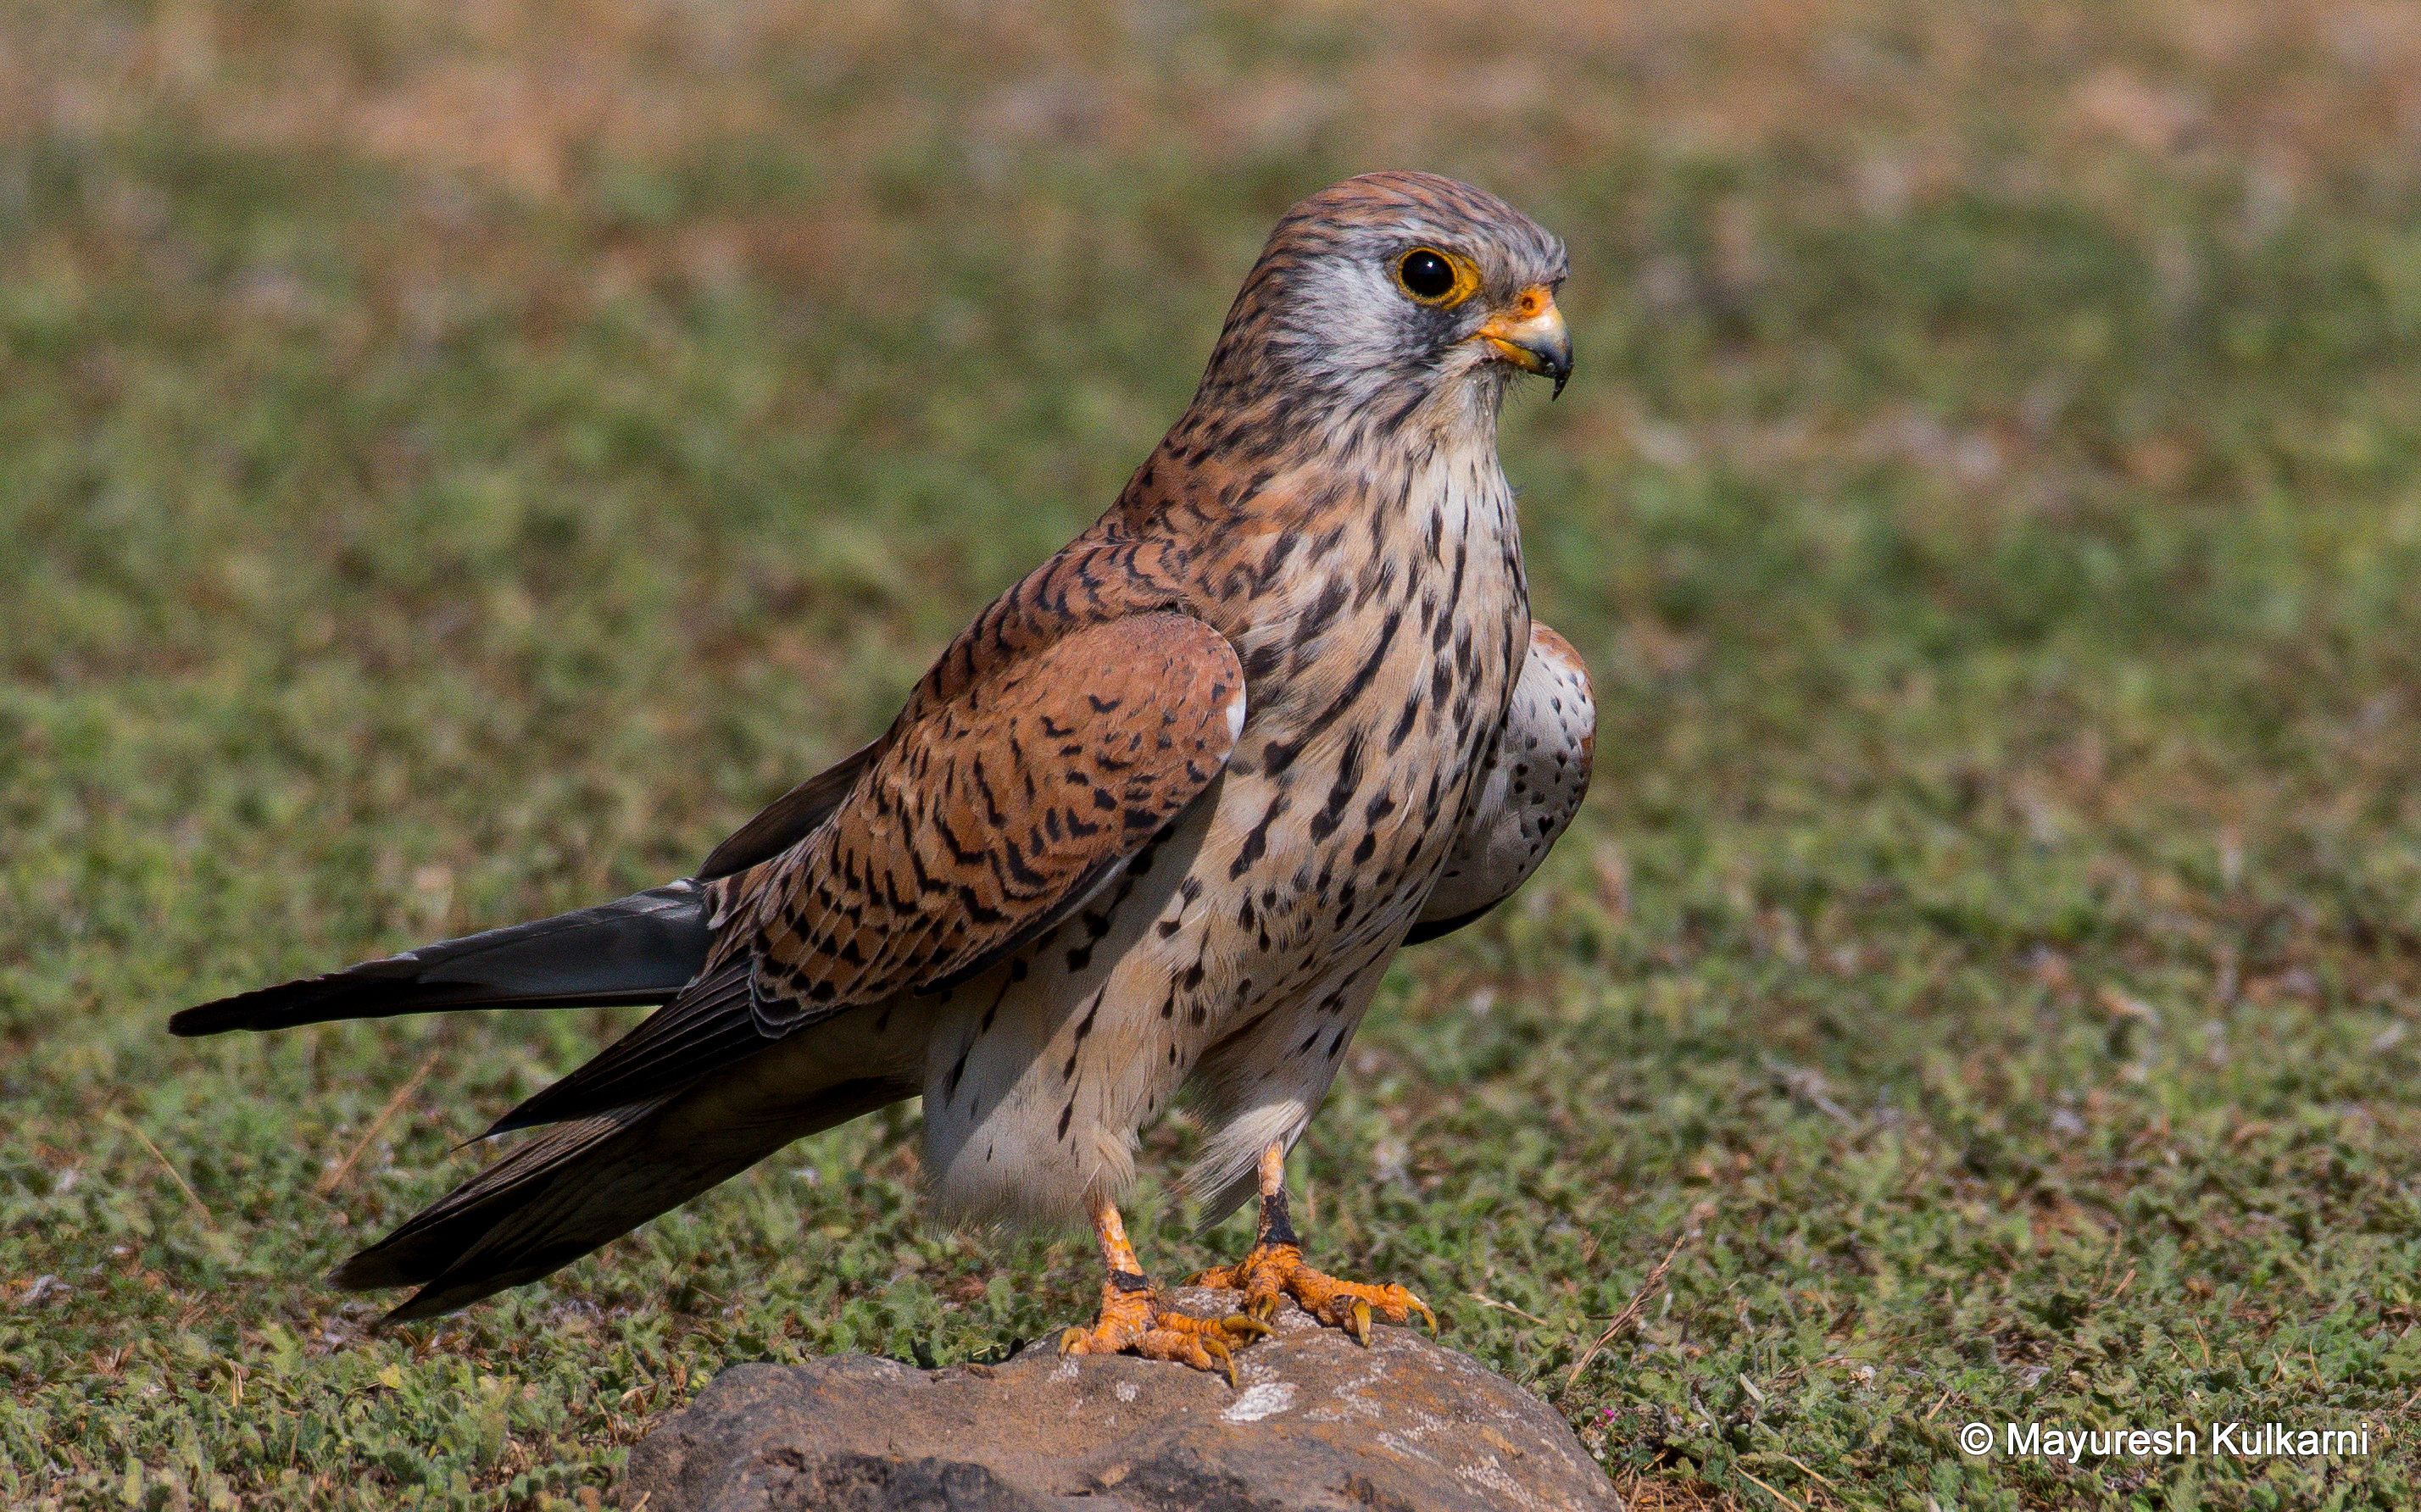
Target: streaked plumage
<point x="1156" y="820"/>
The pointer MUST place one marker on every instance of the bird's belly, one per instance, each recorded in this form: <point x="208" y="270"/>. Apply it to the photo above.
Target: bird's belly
<point x="1039" y="1072"/>
<point x="1270" y="907"/>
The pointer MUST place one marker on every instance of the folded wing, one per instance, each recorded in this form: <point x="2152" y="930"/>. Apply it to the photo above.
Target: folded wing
<point x="1534" y="786"/>
<point x="977" y="828"/>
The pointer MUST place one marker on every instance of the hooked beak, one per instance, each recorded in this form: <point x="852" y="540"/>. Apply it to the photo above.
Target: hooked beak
<point x="1531" y="336"/>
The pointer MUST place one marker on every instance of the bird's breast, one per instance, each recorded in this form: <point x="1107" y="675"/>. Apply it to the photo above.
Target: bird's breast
<point x="1378" y="666"/>
<point x="1377" y="678"/>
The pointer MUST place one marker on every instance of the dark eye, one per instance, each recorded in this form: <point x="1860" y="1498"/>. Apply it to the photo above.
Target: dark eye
<point x="1426" y="275"/>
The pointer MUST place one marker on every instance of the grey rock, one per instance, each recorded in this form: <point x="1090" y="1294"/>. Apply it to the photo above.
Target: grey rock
<point x="1318" y="1425"/>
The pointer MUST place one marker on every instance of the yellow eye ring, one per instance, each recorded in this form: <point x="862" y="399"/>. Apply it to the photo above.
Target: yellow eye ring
<point x="1439" y="279"/>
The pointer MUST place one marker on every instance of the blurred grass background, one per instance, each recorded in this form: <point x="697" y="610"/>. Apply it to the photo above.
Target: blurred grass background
<point x="458" y="457"/>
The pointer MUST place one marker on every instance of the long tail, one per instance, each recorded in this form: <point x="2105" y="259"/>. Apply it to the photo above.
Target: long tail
<point x="637" y="950"/>
<point x="578" y="1185"/>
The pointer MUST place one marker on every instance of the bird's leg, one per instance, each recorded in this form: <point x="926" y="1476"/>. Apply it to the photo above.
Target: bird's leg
<point x="1273" y="1267"/>
<point x="1132" y="1318"/>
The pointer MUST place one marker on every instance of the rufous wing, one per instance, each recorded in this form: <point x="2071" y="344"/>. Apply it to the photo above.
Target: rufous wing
<point x="980" y="826"/>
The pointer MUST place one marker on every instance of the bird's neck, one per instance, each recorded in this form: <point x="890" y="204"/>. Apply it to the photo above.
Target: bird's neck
<point x="1260" y="542"/>
<point x="1260" y="464"/>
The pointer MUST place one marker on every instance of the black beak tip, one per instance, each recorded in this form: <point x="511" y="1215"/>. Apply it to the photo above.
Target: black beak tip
<point x="1555" y="361"/>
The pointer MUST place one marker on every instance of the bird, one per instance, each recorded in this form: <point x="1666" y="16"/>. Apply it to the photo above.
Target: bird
<point x="1154" y="824"/>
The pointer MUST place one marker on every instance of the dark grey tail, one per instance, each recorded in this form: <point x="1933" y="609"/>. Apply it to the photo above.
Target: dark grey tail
<point x="637" y="950"/>
<point x="578" y="1185"/>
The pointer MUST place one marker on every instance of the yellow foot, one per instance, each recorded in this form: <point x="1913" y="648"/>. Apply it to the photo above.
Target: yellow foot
<point x="1270" y="1271"/>
<point x="1133" y="1318"/>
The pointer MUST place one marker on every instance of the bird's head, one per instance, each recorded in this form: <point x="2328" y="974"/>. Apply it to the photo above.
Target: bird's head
<point x="1391" y="296"/>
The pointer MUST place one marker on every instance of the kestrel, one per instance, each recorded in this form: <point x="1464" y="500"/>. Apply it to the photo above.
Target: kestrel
<point x="1156" y="822"/>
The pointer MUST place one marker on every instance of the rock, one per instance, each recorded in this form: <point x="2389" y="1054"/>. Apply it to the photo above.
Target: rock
<point x="1319" y="1425"/>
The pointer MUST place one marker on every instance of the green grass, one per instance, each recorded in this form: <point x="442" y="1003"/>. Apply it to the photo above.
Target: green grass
<point x="1990" y="502"/>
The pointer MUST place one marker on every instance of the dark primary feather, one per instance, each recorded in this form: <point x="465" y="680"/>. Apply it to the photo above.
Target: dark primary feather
<point x="641" y="949"/>
<point x="1427" y="930"/>
<point x="563" y="1192"/>
<point x="787" y="820"/>
<point x="637" y="950"/>
<point x="707" y="1027"/>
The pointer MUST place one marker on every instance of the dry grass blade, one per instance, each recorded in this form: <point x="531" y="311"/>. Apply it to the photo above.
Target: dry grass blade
<point x="1630" y="1314"/>
<point x="335" y="1178"/>
<point x="1771" y="1491"/>
<point x="174" y="1175"/>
